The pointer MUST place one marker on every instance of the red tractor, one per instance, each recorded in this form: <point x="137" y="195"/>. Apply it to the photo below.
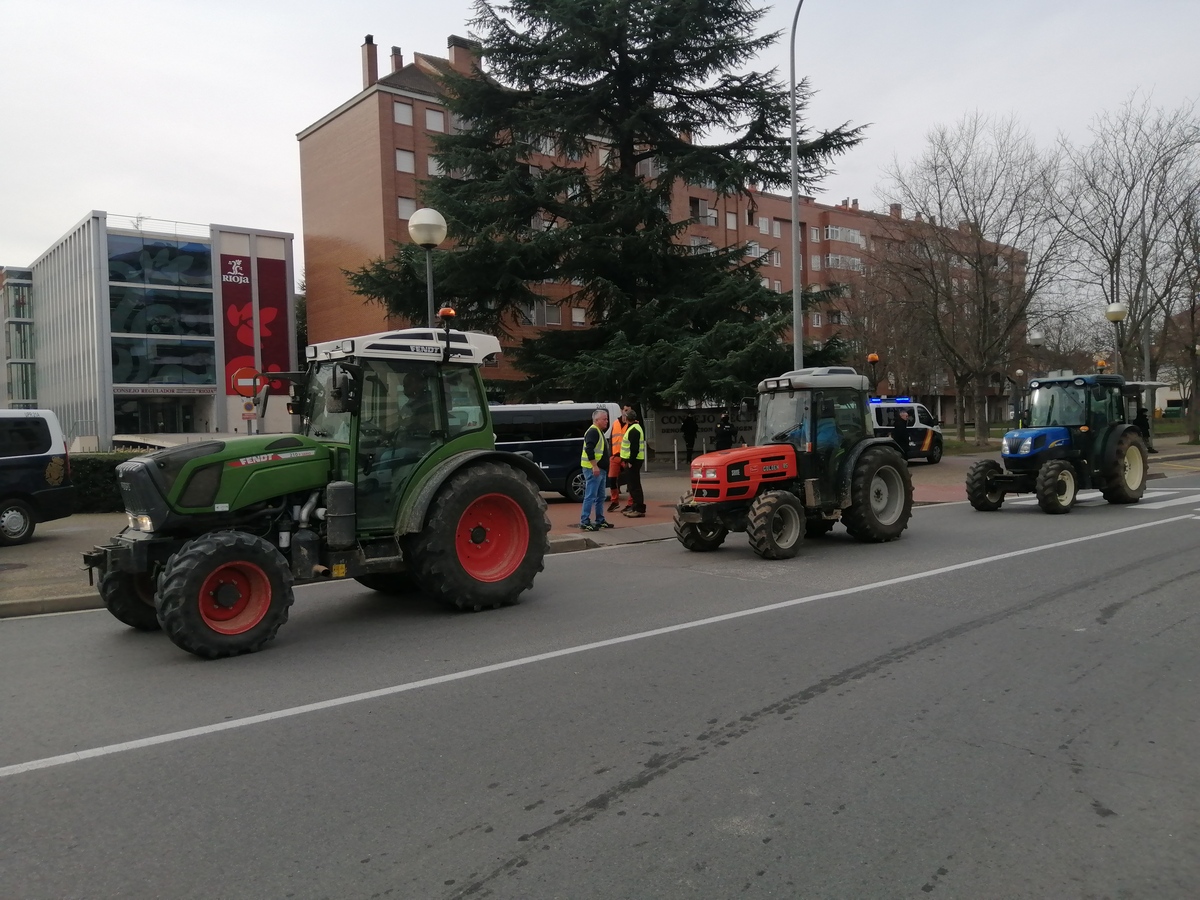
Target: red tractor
<point x="815" y="462"/>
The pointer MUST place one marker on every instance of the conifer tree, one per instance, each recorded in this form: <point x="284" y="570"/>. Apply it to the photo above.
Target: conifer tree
<point x="619" y="105"/>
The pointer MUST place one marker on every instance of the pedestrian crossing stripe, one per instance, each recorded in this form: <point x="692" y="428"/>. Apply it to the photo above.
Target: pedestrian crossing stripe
<point x="1158" y="499"/>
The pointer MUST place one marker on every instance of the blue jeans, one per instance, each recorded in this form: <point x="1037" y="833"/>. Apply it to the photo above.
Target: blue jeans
<point x="593" y="496"/>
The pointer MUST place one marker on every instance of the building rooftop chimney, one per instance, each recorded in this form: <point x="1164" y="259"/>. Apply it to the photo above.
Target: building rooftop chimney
<point x="370" y="62"/>
<point x="894" y="209"/>
<point x="463" y="53"/>
<point x="854" y="203"/>
<point x="397" y="59"/>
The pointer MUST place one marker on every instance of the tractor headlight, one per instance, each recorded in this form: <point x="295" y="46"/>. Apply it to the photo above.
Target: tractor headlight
<point x="1026" y="446"/>
<point x="697" y="473"/>
<point x="1004" y="445"/>
<point x="710" y="473"/>
<point x="140" y="523"/>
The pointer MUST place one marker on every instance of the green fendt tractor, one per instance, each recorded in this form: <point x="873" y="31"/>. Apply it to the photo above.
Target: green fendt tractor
<point x="394" y="481"/>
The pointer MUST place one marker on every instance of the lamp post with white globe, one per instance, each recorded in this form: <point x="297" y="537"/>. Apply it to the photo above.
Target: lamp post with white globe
<point x="1116" y="314"/>
<point x="1036" y="340"/>
<point x="427" y="228"/>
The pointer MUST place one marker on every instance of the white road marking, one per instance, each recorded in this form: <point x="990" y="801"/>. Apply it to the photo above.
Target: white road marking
<point x="171" y="737"/>
<point x="1163" y="504"/>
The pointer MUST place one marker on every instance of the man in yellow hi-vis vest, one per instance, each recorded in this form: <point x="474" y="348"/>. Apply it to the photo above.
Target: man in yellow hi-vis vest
<point x="633" y="455"/>
<point x="594" y="462"/>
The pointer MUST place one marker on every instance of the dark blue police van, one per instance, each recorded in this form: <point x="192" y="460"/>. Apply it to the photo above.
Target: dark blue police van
<point x="551" y="434"/>
<point x="35" y="474"/>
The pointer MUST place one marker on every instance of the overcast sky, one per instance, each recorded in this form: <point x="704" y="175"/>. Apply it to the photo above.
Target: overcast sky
<point x="189" y="111"/>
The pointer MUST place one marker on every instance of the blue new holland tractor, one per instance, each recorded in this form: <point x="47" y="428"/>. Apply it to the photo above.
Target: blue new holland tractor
<point x="1074" y="435"/>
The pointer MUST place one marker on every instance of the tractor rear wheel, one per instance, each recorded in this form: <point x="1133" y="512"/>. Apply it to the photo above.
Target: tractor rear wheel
<point x="394" y="583"/>
<point x="1125" y="472"/>
<point x="881" y="497"/>
<point x="130" y="598"/>
<point x="700" y="538"/>
<point x="1056" y="487"/>
<point x="224" y="594"/>
<point x="484" y="540"/>
<point x="775" y="525"/>
<point x="981" y="485"/>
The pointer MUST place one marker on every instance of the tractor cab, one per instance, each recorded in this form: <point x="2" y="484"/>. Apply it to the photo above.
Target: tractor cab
<point x="1066" y="417"/>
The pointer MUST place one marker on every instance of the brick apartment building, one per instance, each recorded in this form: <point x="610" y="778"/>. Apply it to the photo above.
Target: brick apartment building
<point x="361" y="169"/>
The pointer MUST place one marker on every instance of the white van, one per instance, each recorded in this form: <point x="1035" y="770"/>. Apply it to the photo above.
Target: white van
<point x="924" y="430"/>
<point x="35" y="473"/>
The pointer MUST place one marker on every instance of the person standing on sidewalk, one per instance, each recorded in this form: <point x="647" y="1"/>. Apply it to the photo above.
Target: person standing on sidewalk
<point x="900" y="431"/>
<point x="594" y="462"/>
<point x="725" y="434"/>
<point x="633" y="455"/>
<point x="690" y="429"/>
<point x="615" y="476"/>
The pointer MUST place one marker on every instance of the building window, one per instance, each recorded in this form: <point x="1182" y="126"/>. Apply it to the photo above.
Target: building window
<point x="406" y="161"/>
<point x="731" y="221"/>
<point x="435" y="167"/>
<point x="134" y="259"/>
<point x="814" y="233"/>
<point x="816" y="320"/>
<point x="776" y="258"/>
<point x="405" y="207"/>
<point x="553" y="314"/>
<point x="578" y="315"/>
<point x="835" y="317"/>
<point x="778" y="287"/>
<point x="815" y="263"/>
<point x="700" y="213"/>
<point x="160" y="311"/>
<point x="750" y="217"/>
<point x="766" y="282"/>
<point x="776" y="229"/>
<point x="402" y="113"/>
<point x="435" y="120"/>
<point x="764" y="225"/>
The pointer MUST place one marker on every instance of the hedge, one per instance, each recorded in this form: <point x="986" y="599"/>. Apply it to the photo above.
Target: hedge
<point x="95" y="478"/>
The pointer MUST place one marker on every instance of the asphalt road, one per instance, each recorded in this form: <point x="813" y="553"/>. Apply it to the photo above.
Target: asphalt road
<point x="997" y="706"/>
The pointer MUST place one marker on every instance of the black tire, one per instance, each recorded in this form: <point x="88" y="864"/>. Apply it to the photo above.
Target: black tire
<point x="815" y="528"/>
<point x="881" y="497"/>
<point x="485" y="538"/>
<point x="393" y="583"/>
<point x="981" y="489"/>
<point x="575" y="485"/>
<point x="700" y="538"/>
<point x="16" y="522"/>
<point x="130" y="598"/>
<point x="935" y="452"/>
<point x="1056" y="487"/>
<point x="1125" y="472"/>
<point x="775" y="525"/>
<point x="254" y="584"/>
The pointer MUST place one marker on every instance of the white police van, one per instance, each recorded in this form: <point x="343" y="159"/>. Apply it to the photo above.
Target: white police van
<point x="551" y="434"/>
<point x="35" y="474"/>
<point x="924" y="430"/>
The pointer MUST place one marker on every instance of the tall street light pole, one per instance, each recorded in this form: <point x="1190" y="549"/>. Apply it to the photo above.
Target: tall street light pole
<point x="797" y="288"/>
<point x="427" y="227"/>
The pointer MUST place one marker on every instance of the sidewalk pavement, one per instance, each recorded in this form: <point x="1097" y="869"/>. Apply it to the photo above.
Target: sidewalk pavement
<point x="47" y="575"/>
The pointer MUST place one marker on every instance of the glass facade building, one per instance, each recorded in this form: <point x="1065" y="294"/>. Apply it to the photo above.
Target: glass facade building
<point x="128" y="335"/>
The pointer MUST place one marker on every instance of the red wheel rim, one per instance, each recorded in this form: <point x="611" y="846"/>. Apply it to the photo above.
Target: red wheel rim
<point x="235" y="597"/>
<point x="492" y="537"/>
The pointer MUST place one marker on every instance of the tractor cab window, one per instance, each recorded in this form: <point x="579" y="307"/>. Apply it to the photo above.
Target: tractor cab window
<point x="318" y="422"/>
<point x="1104" y="406"/>
<point x="464" y="403"/>
<point x="1057" y="404"/>
<point x="784" y="417"/>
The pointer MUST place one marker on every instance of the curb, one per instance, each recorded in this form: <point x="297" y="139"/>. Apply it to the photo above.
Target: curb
<point x="11" y="609"/>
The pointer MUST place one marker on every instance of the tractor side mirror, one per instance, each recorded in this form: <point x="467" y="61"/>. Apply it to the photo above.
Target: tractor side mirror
<point x="343" y="392"/>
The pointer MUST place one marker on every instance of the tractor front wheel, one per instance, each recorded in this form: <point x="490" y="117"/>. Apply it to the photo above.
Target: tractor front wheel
<point x="775" y="525"/>
<point x="981" y="485"/>
<point x="484" y="540"/>
<point x="1056" y="487"/>
<point x="700" y="538"/>
<point x="130" y="598"/>
<point x="881" y="497"/>
<point x="1125" y="472"/>
<point x="224" y="594"/>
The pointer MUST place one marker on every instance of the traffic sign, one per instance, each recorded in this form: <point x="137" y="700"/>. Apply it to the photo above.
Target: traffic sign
<point x="247" y="380"/>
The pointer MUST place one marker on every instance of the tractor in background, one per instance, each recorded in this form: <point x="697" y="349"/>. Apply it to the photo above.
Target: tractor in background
<point x="816" y="462"/>
<point x="393" y="481"/>
<point x="1076" y="436"/>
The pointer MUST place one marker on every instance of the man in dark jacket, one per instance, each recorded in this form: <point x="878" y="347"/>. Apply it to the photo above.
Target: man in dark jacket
<point x="726" y="433"/>
<point x="900" y="431"/>
<point x="690" y="429"/>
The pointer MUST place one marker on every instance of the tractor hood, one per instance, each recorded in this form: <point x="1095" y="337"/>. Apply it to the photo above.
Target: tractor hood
<point x="719" y="459"/>
<point x="219" y="477"/>
<point x="1029" y="441"/>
